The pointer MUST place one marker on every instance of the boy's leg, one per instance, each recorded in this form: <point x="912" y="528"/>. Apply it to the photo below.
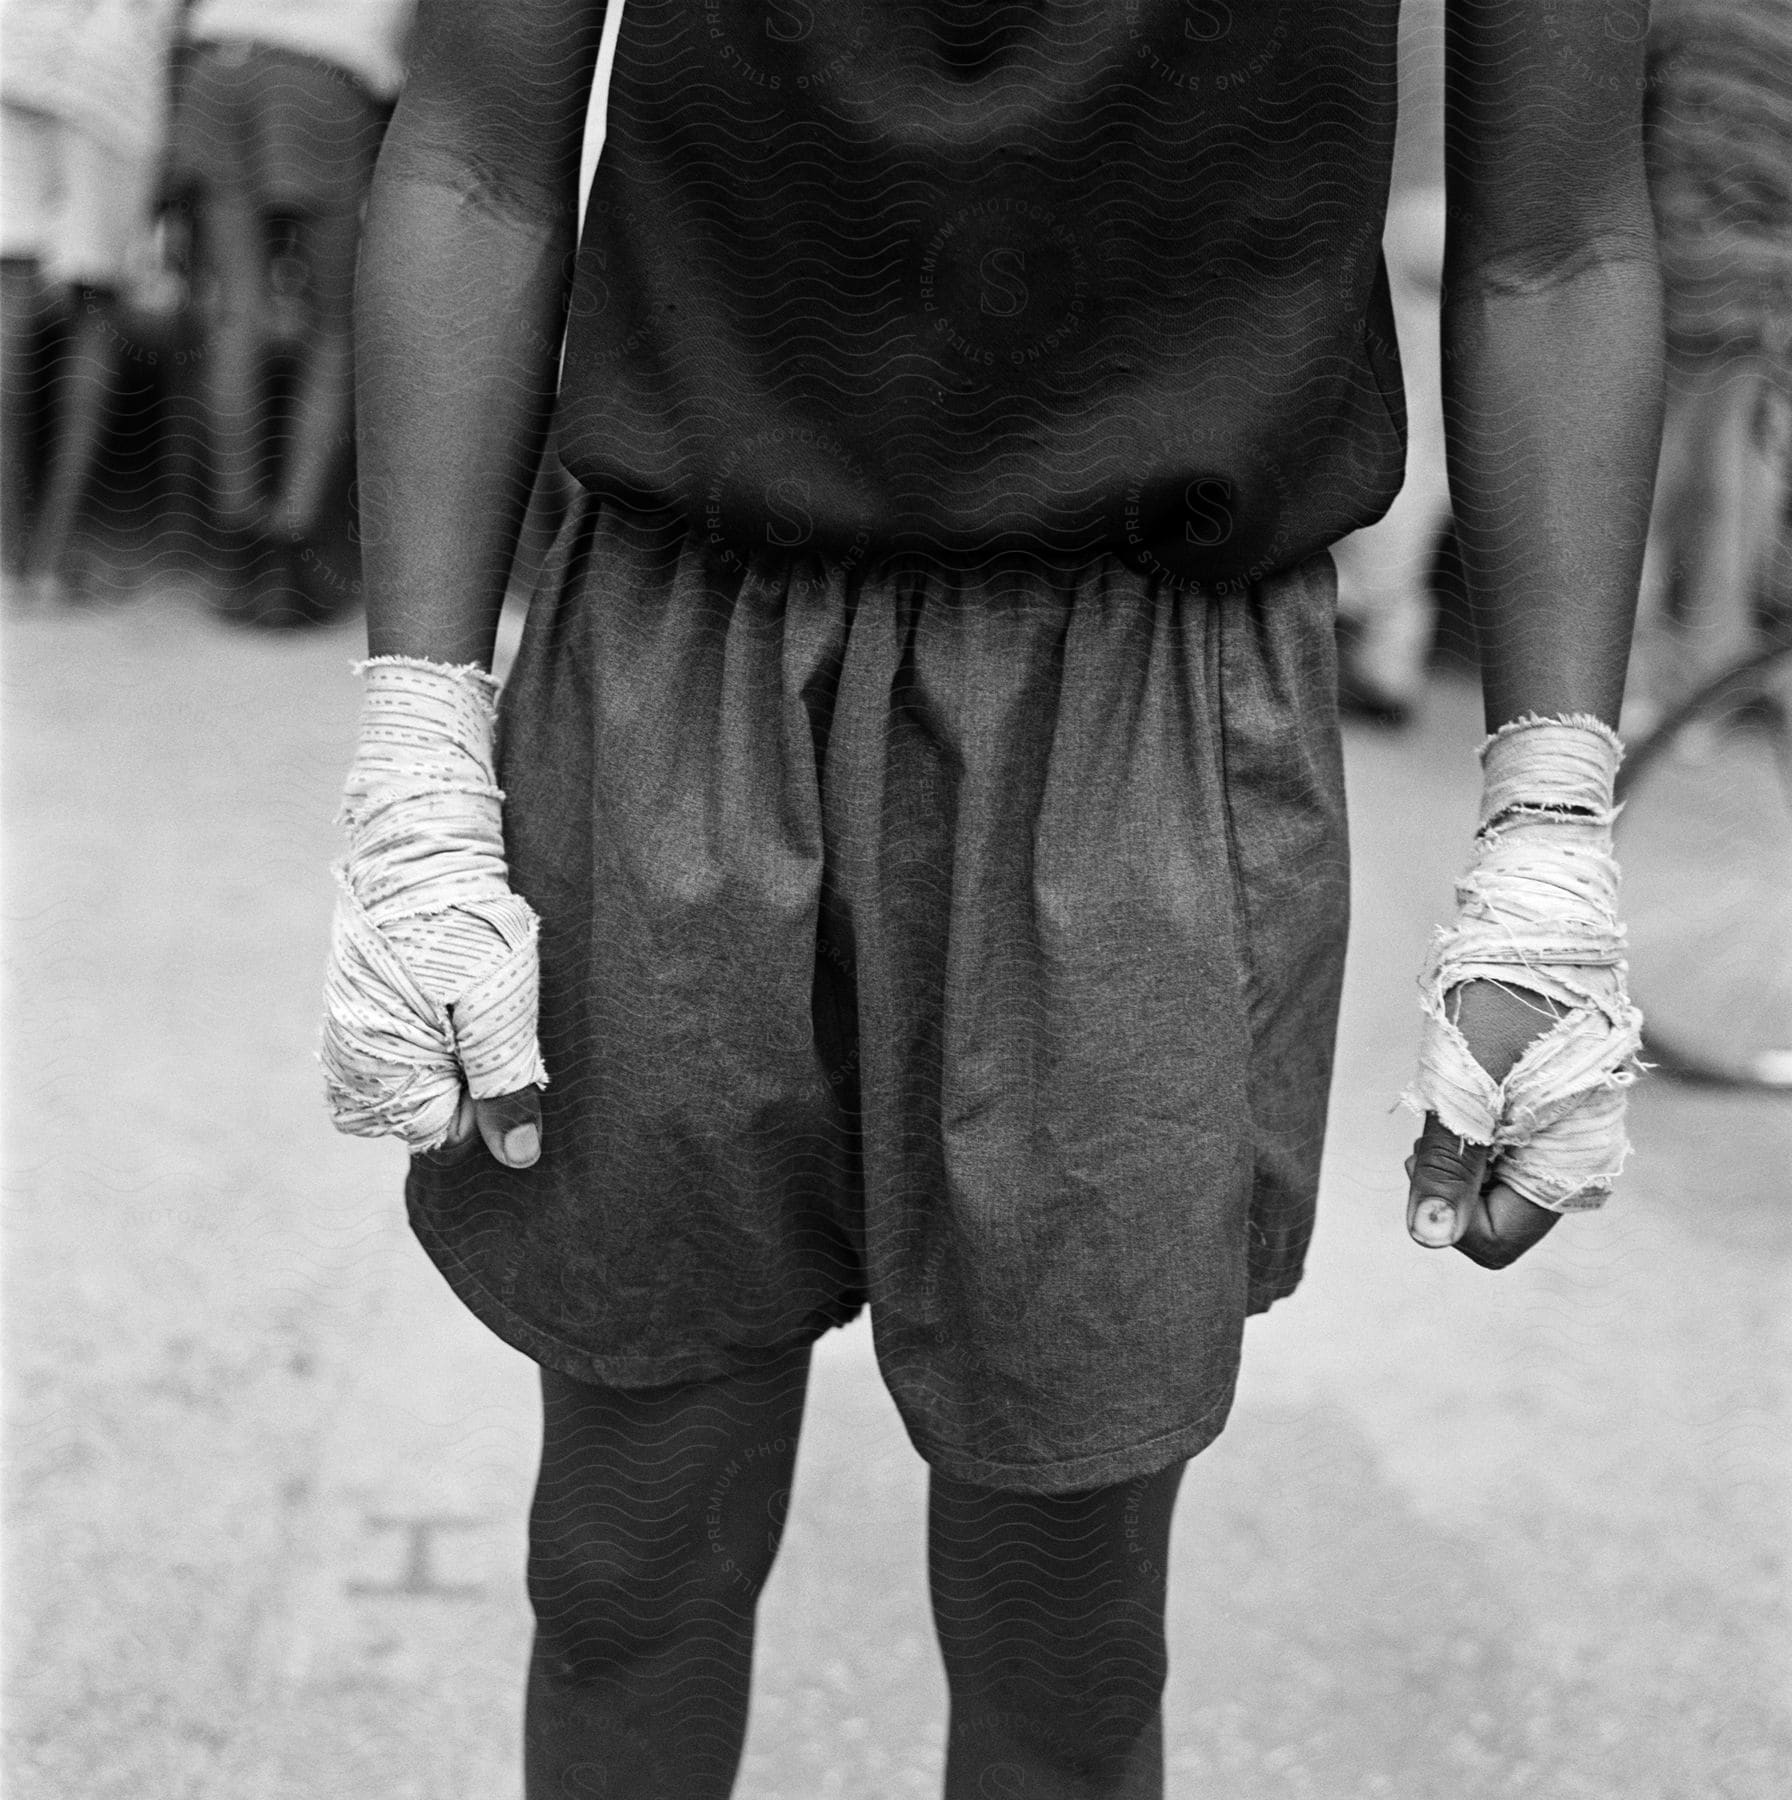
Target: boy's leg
<point x="1050" y="1613"/>
<point x="656" y="1519"/>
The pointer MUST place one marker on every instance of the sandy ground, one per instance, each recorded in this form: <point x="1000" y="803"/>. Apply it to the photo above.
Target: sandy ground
<point x="1468" y="1535"/>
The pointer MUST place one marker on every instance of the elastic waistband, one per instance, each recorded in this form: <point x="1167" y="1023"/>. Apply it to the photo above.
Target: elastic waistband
<point x="667" y="528"/>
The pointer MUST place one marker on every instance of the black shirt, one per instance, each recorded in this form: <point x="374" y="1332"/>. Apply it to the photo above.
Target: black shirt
<point x="965" y="276"/>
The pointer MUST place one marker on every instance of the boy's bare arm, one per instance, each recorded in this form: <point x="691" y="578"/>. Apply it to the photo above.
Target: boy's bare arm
<point x="460" y="305"/>
<point x="1551" y="342"/>
<point x="1552" y="409"/>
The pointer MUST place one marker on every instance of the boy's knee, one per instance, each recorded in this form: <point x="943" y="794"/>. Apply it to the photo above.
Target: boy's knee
<point x="612" y="1588"/>
<point x="1110" y="1661"/>
<point x="658" y="1513"/>
<point x="1073" y="1678"/>
<point x="1051" y="1621"/>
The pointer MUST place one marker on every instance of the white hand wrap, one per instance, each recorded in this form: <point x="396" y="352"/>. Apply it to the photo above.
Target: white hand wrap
<point x="433" y="966"/>
<point x="1537" y="910"/>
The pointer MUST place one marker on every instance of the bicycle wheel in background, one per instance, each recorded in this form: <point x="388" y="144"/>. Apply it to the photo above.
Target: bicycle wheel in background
<point x="1705" y="844"/>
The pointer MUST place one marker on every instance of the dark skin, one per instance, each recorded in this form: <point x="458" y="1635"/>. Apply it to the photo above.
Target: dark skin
<point x="1552" y="377"/>
<point x="1551" y="333"/>
<point x="1552" y="395"/>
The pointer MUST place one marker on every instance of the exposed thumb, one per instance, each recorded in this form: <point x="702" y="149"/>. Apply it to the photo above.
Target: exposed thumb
<point x="511" y="1126"/>
<point x="1447" y="1173"/>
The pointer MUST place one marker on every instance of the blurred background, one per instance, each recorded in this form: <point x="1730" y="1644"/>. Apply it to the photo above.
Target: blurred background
<point x="267" y="1482"/>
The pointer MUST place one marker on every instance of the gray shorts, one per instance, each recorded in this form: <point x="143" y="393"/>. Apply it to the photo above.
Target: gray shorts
<point x="968" y="946"/>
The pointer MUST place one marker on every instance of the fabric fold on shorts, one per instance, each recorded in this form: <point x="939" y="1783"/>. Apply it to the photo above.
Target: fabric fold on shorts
<point x="968" y="947"/>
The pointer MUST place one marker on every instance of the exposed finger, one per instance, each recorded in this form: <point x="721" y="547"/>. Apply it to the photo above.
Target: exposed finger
<point x="1445" y="1184"/>
<point x="511" y="1126"/>
<point x="1504" y="1227"/>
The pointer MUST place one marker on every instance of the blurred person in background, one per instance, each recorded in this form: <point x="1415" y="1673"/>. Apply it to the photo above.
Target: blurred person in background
<point x="1386" y="613"/>
<point x="84" y="91"/>
<point x="277" y="123"/>
<point x="1719" y="140"/>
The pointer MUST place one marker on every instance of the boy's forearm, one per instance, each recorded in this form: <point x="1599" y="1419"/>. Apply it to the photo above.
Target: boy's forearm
<point x="460" y="306"/>
<point x="1552" y="405"/>
<point x="459" y="310"/>
<point x="1551" y="341"/>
